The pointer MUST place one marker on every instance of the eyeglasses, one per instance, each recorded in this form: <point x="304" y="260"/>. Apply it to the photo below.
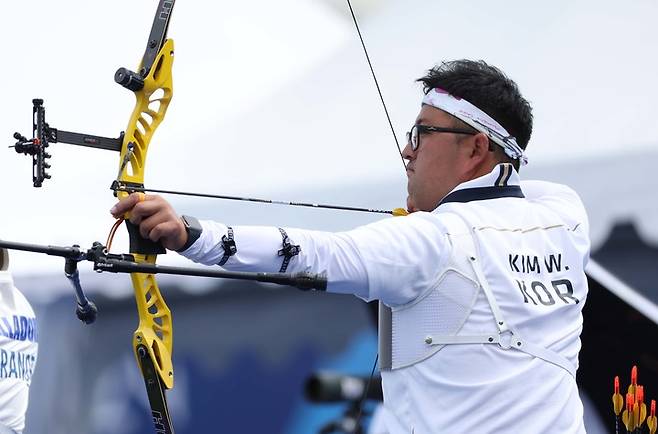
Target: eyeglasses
<point x="413" y="136"/>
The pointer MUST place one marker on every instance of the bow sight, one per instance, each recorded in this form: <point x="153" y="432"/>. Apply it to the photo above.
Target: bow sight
<point x="43" y="135"/>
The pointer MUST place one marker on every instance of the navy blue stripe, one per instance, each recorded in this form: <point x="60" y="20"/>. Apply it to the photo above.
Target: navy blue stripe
<point x="483" y="193"/>
<point x="500" y="176"/>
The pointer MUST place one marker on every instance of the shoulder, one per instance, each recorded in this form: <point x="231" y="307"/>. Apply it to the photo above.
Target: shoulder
<point x="417" y="237"/>
<point x="562" y="201"/>
<point x="559" y="197"/>
<point x="536" y="189"/>
<point x="419" y="223"/>
<point x="403" y="256"/>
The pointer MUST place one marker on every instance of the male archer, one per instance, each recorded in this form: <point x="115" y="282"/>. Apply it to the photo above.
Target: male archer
<point x="484" y="282"/>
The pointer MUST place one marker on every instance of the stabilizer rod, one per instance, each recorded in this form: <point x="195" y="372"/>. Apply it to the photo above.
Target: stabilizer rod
<point x="125" y="263"/>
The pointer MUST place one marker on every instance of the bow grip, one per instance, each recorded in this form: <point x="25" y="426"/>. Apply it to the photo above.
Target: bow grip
<point x="140" y="245"/>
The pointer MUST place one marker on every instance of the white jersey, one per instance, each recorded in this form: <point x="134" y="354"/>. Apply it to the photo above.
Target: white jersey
<point x="531" y="241"/>
<point x="18" y="353"/>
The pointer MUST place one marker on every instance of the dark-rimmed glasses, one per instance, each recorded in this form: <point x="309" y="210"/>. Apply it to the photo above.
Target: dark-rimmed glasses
<point x="413" y="136"/>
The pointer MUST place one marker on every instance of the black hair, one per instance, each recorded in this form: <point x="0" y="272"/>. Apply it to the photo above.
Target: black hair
<point x="489" y="89"/>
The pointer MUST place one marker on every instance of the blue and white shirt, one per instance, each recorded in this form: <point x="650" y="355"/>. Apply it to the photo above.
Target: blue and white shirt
<point x="18" y="353"/>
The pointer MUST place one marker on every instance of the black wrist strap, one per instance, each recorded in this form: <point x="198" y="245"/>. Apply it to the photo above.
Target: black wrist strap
<point x="193" y="228"/>
<point x="230" y="249"/>
<point x="288" y="251"/>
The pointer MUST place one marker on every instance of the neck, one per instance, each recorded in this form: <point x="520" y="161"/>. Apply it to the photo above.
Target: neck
<point x="480" y="170"/>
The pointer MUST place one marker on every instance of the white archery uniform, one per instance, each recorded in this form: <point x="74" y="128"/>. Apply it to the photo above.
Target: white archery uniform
<point x="18" y="354"/>
<point x="495" y="272"/>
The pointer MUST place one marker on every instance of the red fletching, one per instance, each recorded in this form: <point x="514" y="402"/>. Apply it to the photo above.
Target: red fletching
<point x="630" y="400"/>
<point x="653" y="408"/>
<point x="617" y="384"/>
<point x="639" y="394"/>
<point x="634" y="376"/>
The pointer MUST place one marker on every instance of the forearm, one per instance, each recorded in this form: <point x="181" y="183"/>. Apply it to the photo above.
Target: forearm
<point x="376" y="261"/>
<point x="259" y="248"/>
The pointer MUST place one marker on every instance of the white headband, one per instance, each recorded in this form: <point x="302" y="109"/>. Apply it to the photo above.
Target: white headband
<point x="476" y="118"/>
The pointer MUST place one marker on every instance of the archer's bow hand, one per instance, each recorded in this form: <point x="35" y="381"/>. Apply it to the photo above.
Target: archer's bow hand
<point x="156" y="218"/>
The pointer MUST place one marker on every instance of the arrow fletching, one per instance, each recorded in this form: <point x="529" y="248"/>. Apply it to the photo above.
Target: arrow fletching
<point x="617" y="399"/>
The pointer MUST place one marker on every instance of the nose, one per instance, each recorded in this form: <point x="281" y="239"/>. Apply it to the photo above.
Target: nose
<point x="407" y="153"/>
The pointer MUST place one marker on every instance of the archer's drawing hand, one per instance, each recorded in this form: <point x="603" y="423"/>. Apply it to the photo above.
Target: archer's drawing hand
<point x="155" y="217"/>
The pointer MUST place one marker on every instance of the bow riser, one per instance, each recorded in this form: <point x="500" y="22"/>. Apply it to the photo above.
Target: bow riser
<point x="151" y="106"/>
<point x="153" y="339"/>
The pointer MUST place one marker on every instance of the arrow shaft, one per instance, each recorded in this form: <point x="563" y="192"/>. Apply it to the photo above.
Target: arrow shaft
<point x="132" y="189"/>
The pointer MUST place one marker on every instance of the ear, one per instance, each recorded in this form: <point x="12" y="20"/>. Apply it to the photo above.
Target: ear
<point x="479" y="156"/>
<point x="478" y="151"/>
<point x="481" y="146"/>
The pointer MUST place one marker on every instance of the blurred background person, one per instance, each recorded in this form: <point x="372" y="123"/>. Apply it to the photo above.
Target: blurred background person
<point x="18" y="351"/>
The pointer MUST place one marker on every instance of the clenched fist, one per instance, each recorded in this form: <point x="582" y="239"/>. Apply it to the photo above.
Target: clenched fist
<point x="155" y="217"/>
